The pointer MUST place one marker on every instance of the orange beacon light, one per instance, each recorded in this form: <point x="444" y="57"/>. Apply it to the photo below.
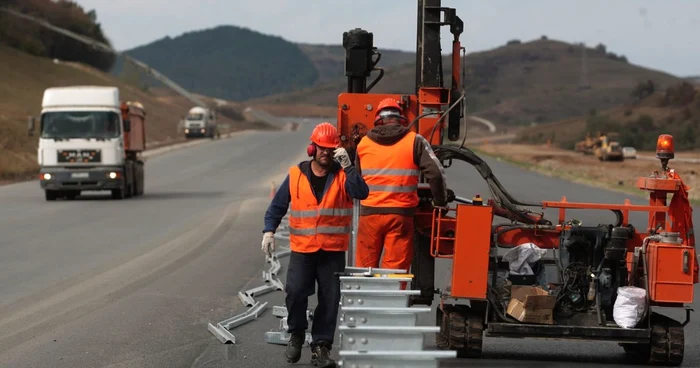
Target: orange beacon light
<point x="665" y="147"/>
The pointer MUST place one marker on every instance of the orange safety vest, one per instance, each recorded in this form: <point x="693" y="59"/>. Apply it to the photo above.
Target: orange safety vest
<point x="314" y="226"/>
<point x="390" y="173"/>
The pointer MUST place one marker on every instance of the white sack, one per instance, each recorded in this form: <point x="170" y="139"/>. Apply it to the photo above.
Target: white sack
<point x="629" y="306"/>
<point x="521" y="257"/>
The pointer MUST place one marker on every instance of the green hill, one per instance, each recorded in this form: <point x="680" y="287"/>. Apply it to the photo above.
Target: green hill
<point x="228" y="62"/>
<point x="239" y="64"/>
<point x="519" y="83"/>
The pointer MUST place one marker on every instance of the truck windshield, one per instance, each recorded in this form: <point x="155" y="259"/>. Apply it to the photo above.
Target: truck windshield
<point x="80" y="124"/>
<point x="195" y="117"/>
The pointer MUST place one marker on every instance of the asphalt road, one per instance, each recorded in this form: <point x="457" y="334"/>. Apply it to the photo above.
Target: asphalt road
<point x="134" y="283"/>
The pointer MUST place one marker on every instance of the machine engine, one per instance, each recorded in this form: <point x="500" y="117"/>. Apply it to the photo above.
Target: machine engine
<point x="592" y="265"/>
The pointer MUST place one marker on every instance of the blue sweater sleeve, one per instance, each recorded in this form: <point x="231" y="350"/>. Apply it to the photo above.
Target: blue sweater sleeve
<point x="355" y="185"/>
<point x="278" y="207"/>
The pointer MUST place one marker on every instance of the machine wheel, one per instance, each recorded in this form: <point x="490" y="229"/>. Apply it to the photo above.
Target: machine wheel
<point x="50" y="195"/>
<point x="465" y="332"/>
<point x="667" y="343"/>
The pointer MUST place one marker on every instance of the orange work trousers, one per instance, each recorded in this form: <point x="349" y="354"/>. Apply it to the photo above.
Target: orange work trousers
<point x="390" y="233"/>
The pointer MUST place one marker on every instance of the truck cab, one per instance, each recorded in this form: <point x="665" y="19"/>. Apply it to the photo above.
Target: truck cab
<point x="200" y="122"/>
<point x="89" y="141"/>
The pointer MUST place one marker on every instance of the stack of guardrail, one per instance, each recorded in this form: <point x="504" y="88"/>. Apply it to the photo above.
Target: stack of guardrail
<point x="377" y="327"/>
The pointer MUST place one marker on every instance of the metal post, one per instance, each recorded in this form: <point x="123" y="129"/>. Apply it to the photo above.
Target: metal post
<point x="350" y="254"/>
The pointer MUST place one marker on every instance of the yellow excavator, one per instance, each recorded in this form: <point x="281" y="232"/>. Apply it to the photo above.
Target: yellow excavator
<point x="606" y="149"/>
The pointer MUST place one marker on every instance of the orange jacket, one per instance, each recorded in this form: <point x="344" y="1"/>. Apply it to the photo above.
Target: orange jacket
<point x="390" y="172"/>
<point x="314" y="226"/>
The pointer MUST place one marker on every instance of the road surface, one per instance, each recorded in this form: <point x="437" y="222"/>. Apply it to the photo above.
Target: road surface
<point x="134" y="283"/>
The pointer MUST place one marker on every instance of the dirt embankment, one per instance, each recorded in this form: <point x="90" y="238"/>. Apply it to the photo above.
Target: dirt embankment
<point x="589" y="170"/>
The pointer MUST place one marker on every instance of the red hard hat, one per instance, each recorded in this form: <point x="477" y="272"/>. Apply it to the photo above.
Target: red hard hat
<point x="388" y="107"/>
<point x="325" y="135"/>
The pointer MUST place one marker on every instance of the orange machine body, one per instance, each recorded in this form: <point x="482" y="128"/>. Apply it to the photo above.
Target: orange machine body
<point x="672" y="267"/>
<point x="356" y="113"/>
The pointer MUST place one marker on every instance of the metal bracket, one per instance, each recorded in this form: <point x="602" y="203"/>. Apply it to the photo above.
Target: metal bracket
<point x="221" y="330"/>
<point x="246" y="299"/>
<point x="687" y="315"/>
<point x="282" y="337"/>
<point x="272" y="283"/>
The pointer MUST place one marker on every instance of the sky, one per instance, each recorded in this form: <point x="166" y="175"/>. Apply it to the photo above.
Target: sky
<point x="657" y="34"/>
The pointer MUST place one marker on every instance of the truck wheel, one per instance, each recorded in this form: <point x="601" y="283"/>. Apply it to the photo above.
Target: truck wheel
<point x="50" y="195"/>
<point x="142" y="182"/>
<point x="118" y="193"/>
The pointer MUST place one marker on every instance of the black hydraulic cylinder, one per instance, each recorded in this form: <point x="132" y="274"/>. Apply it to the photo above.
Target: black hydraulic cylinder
<point x="617" y="248"/>
<point x="428" y="53"/>
<point x="359" y="48"/>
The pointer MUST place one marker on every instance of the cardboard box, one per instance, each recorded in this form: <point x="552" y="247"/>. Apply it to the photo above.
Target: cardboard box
<point x="531" y="304"/>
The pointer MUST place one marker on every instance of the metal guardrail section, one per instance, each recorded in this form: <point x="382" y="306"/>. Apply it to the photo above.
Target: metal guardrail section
<point x="377" y="327"/>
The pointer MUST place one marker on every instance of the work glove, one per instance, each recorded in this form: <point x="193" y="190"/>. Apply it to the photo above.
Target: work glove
<point x="450" y="195"/>
<point x="441" y="206"/>
<point x="268" y="243"/>
<point x="341" y="155"/>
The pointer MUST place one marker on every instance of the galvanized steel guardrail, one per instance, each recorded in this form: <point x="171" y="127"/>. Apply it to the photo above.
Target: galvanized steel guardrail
<point x="378" y="329"/>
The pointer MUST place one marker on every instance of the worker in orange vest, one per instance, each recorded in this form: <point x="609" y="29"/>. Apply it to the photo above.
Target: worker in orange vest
<point x="320" y="192"/>
<point x="391" y="158"/>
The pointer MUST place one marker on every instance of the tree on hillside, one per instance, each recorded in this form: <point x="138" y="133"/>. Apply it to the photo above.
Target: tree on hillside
<point x="37" y="40"/>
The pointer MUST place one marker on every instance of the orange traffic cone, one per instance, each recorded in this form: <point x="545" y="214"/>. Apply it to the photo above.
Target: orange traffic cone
<point x="272" y="190"/>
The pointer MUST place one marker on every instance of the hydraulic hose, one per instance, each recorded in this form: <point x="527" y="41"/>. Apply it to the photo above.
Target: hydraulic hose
<point x="499" y="193"/>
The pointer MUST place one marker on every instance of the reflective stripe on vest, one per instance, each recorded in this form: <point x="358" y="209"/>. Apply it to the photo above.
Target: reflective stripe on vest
<point x="314" y="226"/>
<point x="390" y="173"/>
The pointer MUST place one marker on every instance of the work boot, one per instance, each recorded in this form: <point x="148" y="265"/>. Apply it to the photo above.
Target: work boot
<point x="320" y="355"/>
<point x="296" y="341"/>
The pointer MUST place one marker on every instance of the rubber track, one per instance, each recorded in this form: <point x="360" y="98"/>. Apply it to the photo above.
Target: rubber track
<point x="666" y="347"/>
<point x="667" y="342"/>
<point x="466" y="331"/>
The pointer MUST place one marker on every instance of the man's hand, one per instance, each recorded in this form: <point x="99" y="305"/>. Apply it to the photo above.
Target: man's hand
<point x="341" y="155"/>
<point x="268" y="243"/>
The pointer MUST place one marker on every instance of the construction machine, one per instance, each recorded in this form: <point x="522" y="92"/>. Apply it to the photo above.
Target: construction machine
<point x="586" y="145"/>
<point x="607" y="149"/>
<point x="597" y="265"/>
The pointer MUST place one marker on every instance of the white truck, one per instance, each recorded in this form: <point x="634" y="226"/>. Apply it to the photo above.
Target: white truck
<point x="201" y="122"/>
<point x="90" y="140"/>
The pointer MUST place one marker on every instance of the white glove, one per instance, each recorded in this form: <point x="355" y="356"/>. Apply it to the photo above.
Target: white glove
<point x="268" y="243"/>
<point x="341" y="155"/>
